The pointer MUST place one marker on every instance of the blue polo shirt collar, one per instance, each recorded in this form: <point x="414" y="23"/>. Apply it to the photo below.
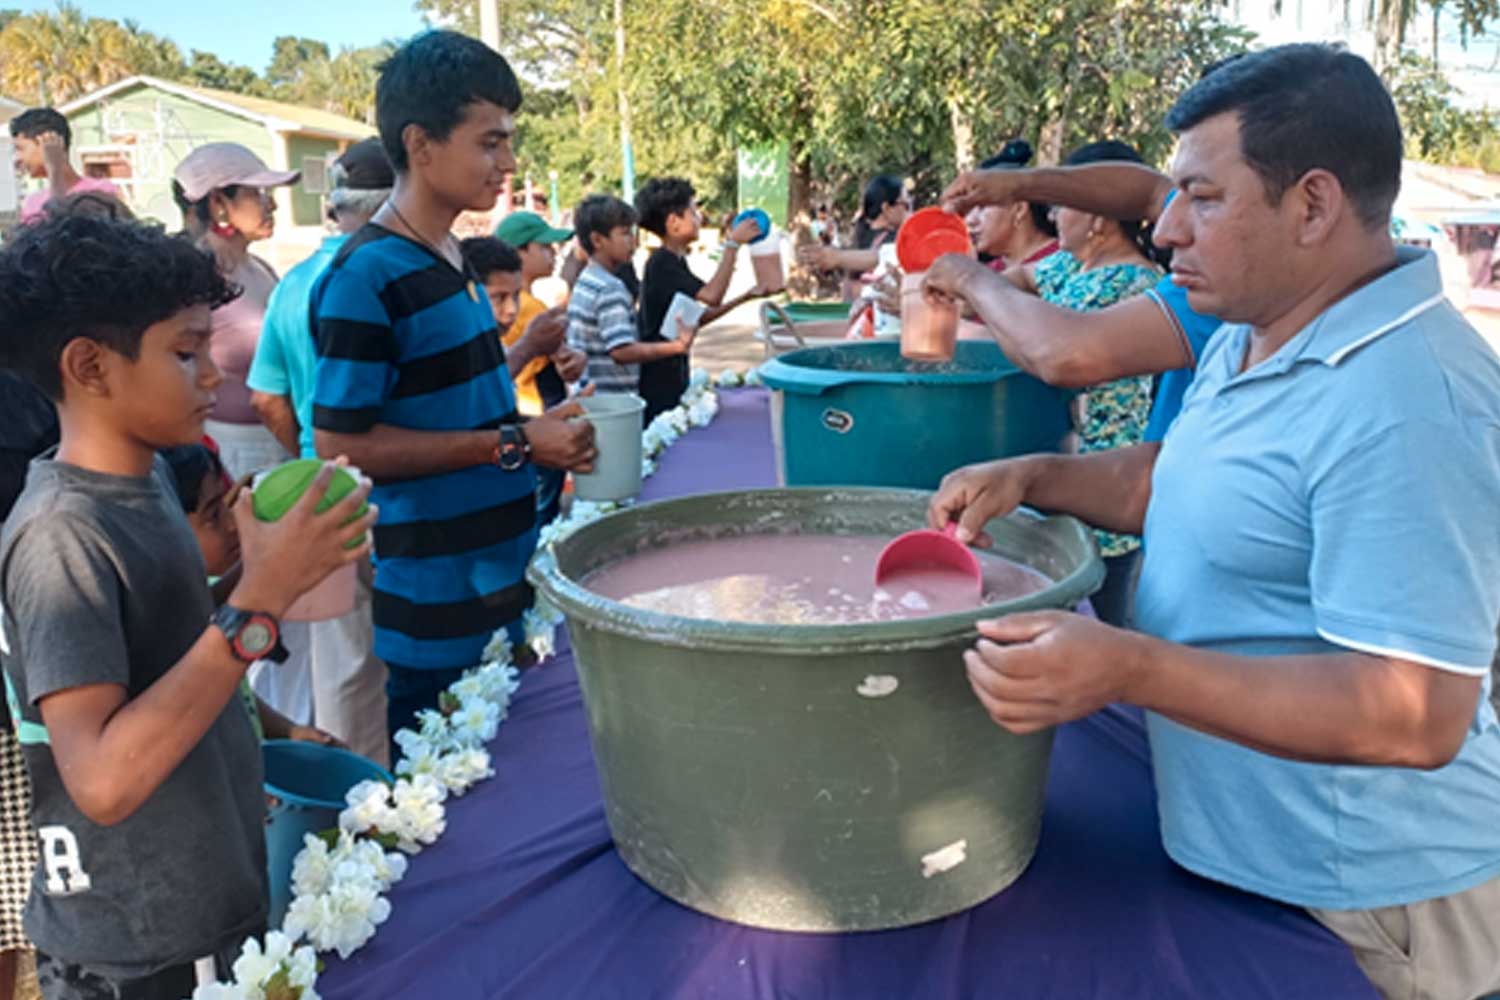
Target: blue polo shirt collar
<point x="1386" y="304"/>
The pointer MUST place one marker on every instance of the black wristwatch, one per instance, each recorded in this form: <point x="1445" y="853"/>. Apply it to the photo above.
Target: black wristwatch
<point x="252" y="635"/>
<point x="514" y="450"/>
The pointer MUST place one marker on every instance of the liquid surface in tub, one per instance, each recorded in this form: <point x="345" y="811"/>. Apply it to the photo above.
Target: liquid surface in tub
<point x="797" y="580"/>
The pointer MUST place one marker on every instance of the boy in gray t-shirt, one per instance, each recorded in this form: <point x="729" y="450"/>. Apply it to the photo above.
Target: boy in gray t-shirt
<point x="122" y="676"/>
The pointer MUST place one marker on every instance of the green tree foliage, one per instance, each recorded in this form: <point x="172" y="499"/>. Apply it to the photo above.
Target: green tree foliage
<point x="852" y="87"/>
<point x="1436" y="129"/>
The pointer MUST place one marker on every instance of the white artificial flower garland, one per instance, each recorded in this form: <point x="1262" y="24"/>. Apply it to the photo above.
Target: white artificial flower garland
<point x="339" y="878"/>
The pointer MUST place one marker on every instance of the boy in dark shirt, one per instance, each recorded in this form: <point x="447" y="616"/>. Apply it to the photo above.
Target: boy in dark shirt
<point x="121" y="675"/>
<point x="668" y="207"/>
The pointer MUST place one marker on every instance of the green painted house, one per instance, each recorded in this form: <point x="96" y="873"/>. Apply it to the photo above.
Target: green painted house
<point x="136" y="131"/>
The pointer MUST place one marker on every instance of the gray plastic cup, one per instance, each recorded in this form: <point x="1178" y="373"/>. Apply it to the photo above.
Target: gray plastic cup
<point x="617" y="435"/>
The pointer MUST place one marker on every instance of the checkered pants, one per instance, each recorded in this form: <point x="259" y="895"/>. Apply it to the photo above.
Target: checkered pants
<point x="17" y="841"/>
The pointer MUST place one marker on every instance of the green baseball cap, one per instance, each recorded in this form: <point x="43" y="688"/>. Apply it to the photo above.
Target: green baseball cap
<point x="520" y="228"/>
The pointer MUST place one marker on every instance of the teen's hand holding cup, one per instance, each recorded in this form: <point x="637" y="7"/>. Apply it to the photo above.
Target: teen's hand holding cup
<point x="284" y="558"/>
<point x="560" y="441"/>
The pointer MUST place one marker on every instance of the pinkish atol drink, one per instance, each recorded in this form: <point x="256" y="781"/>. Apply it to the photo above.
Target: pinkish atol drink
<point x="797" y="580"/>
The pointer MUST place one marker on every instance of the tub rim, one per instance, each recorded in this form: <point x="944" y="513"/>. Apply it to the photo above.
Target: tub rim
<point x="594" y="611"/>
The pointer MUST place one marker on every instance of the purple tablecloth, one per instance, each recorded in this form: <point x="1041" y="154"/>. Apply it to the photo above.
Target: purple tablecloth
<point x="524" y="895"/>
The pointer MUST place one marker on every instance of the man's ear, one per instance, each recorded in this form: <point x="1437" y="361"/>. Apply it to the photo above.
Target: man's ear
<point x="85" y="365"/>
<point x="1318" y="205"/>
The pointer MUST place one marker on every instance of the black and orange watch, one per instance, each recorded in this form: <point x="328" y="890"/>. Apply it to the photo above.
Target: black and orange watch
<point x="513" y="449"/>
<point x="252" y="635"/>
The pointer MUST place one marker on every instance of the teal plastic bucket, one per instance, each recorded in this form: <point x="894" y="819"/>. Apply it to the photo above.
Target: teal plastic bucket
<point x="861" y="415"/>
<point x="308" y="781"/>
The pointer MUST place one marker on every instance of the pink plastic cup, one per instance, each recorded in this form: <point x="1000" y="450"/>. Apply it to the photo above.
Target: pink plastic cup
<point x="928" y="332"/>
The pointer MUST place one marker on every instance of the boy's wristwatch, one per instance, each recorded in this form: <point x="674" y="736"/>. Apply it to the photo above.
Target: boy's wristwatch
<point x="513" y="449"/>
<point x="252" y="635"/>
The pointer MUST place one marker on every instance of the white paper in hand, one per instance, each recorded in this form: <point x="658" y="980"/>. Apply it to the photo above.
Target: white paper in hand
<point x="690" y="311"/>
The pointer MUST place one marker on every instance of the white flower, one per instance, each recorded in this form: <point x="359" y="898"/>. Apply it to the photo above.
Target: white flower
<point x="302" y="971"/>
<point x="541" y="630"/>
<point x="256" y="966"/>
<point x="648" y="468"/>
<point x="700" y="378"/>
<point x="730" y="379"/>
<point x="387" y="867"/>
<point x="499" y="648"/>
<point x="418" y="756"/>
<point x="312" y="869"/>
<point x="752" y="377"/>
<point x="341" y="920"/>
<point x="369" y="808"/>
<point x="461" y="769"/>
<point x="702" y="413"/>
<point x="418" y="817"/>
<point x="476" y="721"/>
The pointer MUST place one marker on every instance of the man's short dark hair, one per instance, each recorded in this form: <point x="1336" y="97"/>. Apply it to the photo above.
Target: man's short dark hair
<point x="601" y="214"/>
<point x="431" y="79"/>
<point x="487" y="255"/>
<point x="1307" y="107"/>
<point x="83" y="276"/>
<point x="661" y="197"/>
<point x="33" y="122"/>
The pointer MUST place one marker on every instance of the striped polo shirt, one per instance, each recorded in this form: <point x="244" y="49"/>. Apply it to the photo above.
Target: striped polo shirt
<point x="601" y="318"/>
<point x="406" y="340"/>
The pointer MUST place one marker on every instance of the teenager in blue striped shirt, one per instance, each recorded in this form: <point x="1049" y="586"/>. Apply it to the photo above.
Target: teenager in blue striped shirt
<point x="412" y="383"/>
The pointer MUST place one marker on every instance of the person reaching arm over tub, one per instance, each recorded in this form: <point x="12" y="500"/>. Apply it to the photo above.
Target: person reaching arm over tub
<point x="1318" y="730"/>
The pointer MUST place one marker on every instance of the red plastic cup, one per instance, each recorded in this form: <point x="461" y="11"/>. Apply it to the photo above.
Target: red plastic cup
<point x="929" y="233"/>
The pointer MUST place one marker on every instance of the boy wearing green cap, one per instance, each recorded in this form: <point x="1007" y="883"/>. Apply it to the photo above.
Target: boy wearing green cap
<point x="543" y="381"/>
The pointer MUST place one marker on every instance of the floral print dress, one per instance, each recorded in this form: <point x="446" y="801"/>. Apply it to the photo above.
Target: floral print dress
<point x="1112" y="414"/>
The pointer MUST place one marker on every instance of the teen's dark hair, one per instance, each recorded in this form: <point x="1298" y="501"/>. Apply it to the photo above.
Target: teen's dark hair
<point x="1138" y="231"/>
<point x="83" y="276"/>
<point x="1306" y="107"/>
<point x="98" y="204"/>
<point x="1014" y="155"/>
<point x="880" y="191"/>
<point x="35" y="121"/>
<point x="430" y="80"/>
<point x="190" y="464"/>
<point x="600" y="214"/>
<point x="486" y="255"/>
<point x="661" y="197"/>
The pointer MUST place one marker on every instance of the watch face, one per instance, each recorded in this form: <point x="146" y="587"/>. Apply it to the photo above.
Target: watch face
<point x="256" y="637"/>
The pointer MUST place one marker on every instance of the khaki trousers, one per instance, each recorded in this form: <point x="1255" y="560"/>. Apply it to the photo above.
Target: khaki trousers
<point x="1439" y="949"/>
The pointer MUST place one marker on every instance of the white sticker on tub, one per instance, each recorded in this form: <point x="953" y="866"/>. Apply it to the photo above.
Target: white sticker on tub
<point x="878" y="685"/>
<point x="942" y="860"/>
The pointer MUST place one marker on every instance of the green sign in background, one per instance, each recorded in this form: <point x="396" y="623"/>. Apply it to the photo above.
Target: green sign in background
<point x="765" y="181"/>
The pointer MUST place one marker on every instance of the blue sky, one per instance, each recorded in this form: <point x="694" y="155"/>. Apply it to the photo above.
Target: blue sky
<point x="243" y="32"/>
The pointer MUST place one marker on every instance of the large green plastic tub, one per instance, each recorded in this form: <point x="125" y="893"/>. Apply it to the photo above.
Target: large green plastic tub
<point x="806" y="778"/>
<point x="861" y="415"/>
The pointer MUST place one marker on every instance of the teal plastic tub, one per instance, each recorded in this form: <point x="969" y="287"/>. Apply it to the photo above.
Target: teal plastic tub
<point x="308" y="781"/>
<point x="861" y="415"/>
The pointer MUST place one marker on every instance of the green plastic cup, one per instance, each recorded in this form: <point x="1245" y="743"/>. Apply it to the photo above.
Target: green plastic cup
<point x="277" y="491"/>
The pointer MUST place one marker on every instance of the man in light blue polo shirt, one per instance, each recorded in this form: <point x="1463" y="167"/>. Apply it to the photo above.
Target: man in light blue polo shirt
<point x="1320" y="593"/>
<point x="346" y="679"/>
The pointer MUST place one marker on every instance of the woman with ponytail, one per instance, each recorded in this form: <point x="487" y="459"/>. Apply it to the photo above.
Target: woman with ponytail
<point x="883" y="208"/>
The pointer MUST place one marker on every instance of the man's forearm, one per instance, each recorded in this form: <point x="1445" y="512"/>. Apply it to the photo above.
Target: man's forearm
<point x="1072" y="348"/>
<point x="1116" y="190"/>
<point x="280" y="418"/>
<point x="1349" y="708"/>
<point x="519" y="355"/>
<point x="1107" y="489"/>
<point x="387" y="453"/>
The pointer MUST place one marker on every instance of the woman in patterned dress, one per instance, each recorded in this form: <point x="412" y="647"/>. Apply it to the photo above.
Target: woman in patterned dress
<point x="1101" y="262"/>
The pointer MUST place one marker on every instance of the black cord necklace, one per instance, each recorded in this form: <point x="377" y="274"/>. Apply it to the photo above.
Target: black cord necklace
<point x="468" y="278"/>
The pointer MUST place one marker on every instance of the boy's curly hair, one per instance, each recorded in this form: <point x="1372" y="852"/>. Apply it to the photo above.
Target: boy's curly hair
<point x="661" y="197"/>
<point x="103" y="279"/>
